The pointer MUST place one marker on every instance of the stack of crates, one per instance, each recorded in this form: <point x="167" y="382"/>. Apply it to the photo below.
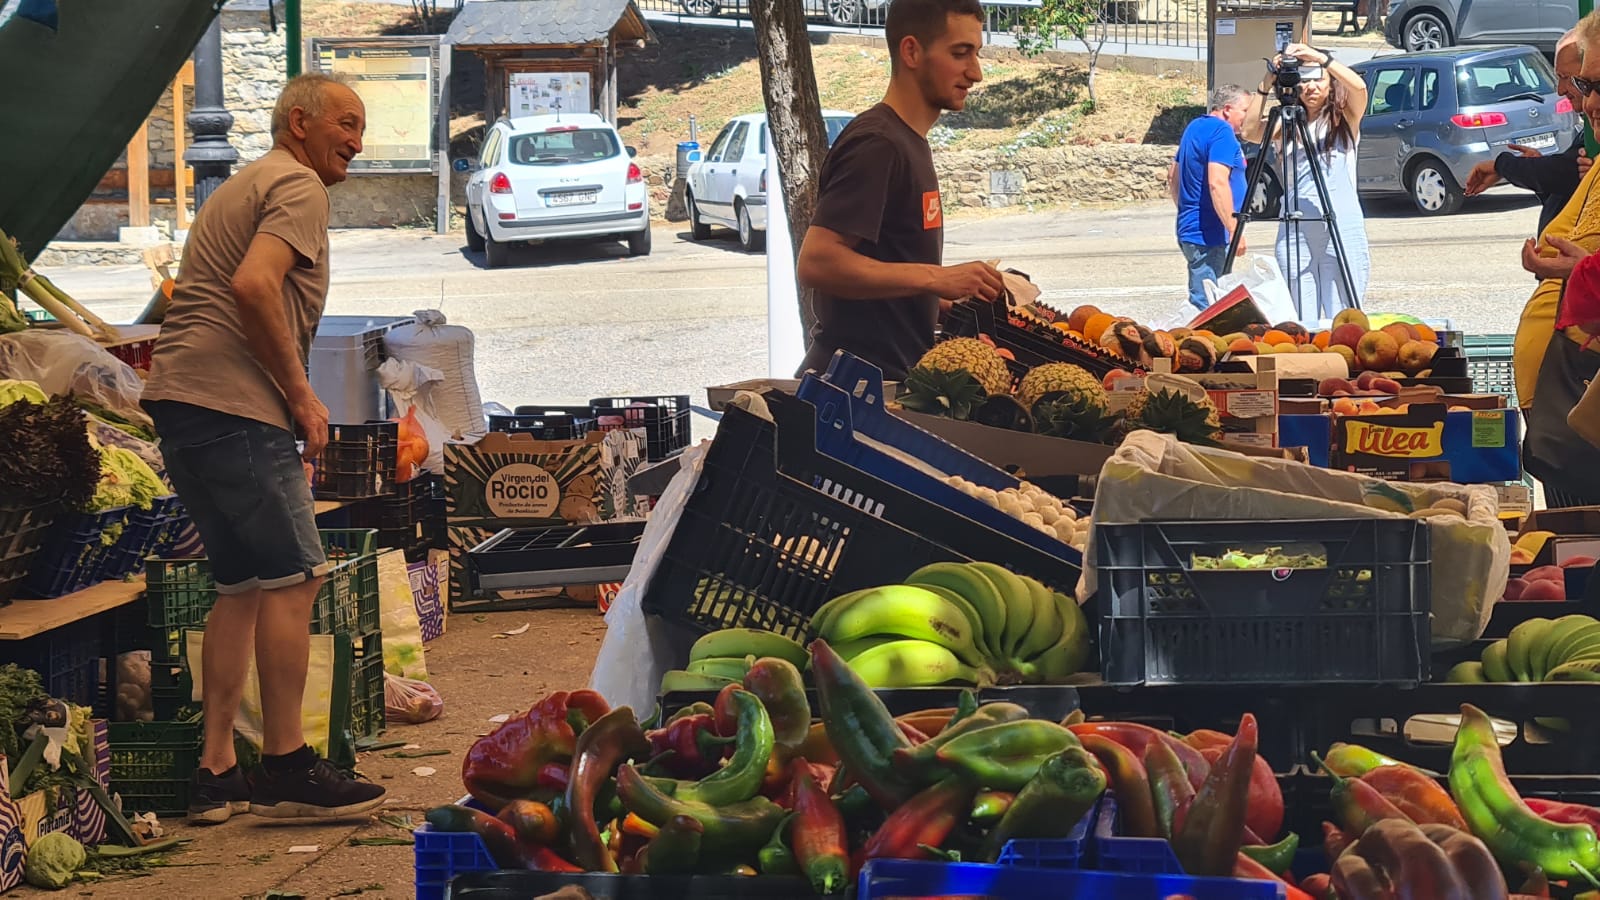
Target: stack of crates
<point x="1489" y="362"/>
<point x="179" y="595"/>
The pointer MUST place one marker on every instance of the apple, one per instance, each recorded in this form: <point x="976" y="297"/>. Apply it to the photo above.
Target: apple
<point x="1349" y="355"/>
<point x="1346" y="335"/>
<point x="1415" y="356"/>
<point x="1401" y="332"/>
<point x="1352" y="317"/>
<point x="1377" y="351"/>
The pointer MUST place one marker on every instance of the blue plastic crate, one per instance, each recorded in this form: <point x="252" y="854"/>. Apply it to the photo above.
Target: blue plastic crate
<point x="1113" y="853"/>
<point x="899" y="878"/>
<point x="147" y="532"/>
<point x="1071" y="852"/>
<point x="67" y="660"/>
<point x="74" y="552"/>
<point x="849" y="401"/>
<point x="442" y="855"/>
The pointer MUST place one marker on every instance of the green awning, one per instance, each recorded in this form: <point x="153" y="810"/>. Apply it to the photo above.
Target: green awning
<point x="75" y="94"/>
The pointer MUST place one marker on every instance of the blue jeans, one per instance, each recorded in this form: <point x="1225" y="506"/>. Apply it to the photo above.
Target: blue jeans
<point x="1204" y="263"/>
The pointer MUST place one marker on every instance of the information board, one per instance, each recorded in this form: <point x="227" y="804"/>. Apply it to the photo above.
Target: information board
<point x="397" y="79"/>
<point x="546" y="93"/>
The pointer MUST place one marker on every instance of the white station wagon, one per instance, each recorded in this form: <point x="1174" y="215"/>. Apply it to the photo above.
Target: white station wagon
<point x="555" y="176"/>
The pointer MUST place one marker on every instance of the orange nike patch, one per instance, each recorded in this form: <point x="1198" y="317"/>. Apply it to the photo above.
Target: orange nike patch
<point x="932" y="211"/>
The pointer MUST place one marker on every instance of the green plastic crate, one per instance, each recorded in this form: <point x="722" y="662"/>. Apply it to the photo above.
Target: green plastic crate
<point x="152" y="762"/>
<point x="1489" y="362"/>
<point x="366" y="686"/>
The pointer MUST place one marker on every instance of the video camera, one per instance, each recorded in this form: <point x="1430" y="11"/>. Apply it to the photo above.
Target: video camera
<point x="1289" y="74"/>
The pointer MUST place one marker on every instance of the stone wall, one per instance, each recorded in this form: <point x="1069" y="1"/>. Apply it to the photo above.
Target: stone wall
<point x="1042" y="176"/>
<point x="253" y="70"/>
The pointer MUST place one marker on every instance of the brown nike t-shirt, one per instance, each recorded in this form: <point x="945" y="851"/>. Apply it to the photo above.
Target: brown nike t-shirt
<point x="879" y="186"/>
<point x="202" y="356"/>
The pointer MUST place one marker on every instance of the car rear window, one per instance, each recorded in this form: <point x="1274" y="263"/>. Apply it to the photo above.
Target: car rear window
<point x="554" y="148"/>
<point x="1497" y="79"/>
<point x="834" y="124"/>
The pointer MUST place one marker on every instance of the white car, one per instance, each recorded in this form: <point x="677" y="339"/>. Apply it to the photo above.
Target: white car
<point x="728" y="186"/>
<point x="556" y="176"/>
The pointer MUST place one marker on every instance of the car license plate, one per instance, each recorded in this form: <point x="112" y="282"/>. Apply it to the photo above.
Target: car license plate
<point x="1540" y="141"/>
<point x="578" y="198"/>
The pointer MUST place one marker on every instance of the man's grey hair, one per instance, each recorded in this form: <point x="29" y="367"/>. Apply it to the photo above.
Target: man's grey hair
<point x="1570" y="39"/>
<point x="1225" y="95"/>
<point x="309" y="92"/>
<point x="1588" y="31"/>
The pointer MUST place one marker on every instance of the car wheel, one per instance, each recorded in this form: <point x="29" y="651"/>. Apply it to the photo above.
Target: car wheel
<point x="1434" y="189"/>
<point x="750" y="239"/>
<point x="698" y="230"/>
<point x="700" y="7"/>
<point x="496" y="253"/>
<point x="474" y="239"/>
<point x="639" y="242"/>
<point x="1425" y="31"/>
<point x="844" y="12"/>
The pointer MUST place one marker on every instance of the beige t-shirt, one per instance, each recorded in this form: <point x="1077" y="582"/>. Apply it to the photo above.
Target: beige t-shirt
<point x="202" y="356"/>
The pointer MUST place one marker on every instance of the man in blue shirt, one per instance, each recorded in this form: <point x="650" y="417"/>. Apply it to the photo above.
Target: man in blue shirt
<point x="1207" y="181"/>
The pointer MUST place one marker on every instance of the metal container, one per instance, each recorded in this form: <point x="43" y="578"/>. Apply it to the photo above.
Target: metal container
<point x="345" y="356"/>
<point x="688" y="152"/>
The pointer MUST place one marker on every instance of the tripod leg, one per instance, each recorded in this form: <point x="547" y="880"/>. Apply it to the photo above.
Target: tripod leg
<point x="1253" y="179"/>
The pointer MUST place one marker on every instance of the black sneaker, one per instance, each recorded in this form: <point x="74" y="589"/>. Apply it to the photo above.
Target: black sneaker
<point x="213" y="798"/>
<point x="319" y="792"/>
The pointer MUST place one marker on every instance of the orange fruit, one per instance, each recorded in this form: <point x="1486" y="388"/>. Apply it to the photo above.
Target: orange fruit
<point x="1424" y="333"/>
<point x="1096" y="325"/>
<point x="1344" y="406"/>
<point x="1080" y="316"/>
<point x="1276" y="337"/>
<point x="1061" y="326"/>
<point x="1242" y="345"/>
<point x="1320" y="341"/>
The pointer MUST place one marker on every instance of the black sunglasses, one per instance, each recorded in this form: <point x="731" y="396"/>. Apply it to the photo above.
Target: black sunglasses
<point x="1584" y="87"/>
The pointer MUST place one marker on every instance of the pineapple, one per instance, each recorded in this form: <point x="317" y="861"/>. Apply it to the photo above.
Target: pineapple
<point x="1066" y="401"/>
<point x="1176" y="413"/>
<point x="955" y="376"/>
<point x="1052" y="377"/>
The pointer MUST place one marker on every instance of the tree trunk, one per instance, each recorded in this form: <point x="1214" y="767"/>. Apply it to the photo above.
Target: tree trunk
<point x="794" y="119"/>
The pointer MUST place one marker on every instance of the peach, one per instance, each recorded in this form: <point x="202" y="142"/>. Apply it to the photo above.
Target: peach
<point x="1330" y="385"/>
<point x="1543" y="591"/>
<point x="1546" y="573"/>
<point x="1349" y="355"/>
<point x="1415" y="356"/>
<point x="1579" y="562"/>
<point x="1400" y="331"/>
<point x="1514" y="590"/>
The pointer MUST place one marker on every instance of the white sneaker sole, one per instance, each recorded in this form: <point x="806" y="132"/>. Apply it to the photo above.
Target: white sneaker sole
<point x="312" y="811"/>
<point x="220" y="814"/>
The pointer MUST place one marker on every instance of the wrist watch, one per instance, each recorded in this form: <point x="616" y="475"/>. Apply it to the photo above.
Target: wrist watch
<point x="1327" y="57"/>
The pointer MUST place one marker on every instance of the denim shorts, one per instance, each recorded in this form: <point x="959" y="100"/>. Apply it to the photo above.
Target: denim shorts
<point x="243" y="484"/>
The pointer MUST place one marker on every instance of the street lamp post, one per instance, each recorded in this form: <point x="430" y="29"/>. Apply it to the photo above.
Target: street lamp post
<point x="211" y="155"/>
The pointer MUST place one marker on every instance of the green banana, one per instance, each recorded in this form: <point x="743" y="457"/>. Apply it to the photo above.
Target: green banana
<point x="1539" y="661"/>
<point x="979" y="591"/>
<point x="852" y="649"/>
<point x="1047" y="623"/>
<point x="1575" y="644"/>
<point x="1494" y="662"/>
<point x="912" y="663"/>
<point x="737" y="643"/>
<point x="906" y="610"/>
<point x="1067" y="657"/>
<point x="729" y="668"/>
<point x="1019" y="604"/>
<point x="1582" y="670"/>
<point x="1520" y="644"/>
<point x="1466" y="673"/>
<point x="961" y="603"/>
<point x="678" y="680"/>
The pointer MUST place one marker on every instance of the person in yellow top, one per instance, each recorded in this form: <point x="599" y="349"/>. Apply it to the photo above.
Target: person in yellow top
<point x="1579" y="223"/>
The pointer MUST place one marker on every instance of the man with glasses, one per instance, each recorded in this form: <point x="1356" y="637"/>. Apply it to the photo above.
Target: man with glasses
<point x="1553" y="179"/>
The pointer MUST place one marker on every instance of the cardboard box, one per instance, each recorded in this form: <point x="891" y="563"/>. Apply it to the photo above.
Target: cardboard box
<point x="1579" y="520"/>
<point x="1428" y="443"/>
<point x="1247" y="402"/>
<point x="67" y="809"/>
<point x="430" y="580"/>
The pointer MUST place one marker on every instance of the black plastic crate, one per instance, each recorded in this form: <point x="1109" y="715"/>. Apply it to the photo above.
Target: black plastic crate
<point x="554" y="556"/>
<point x="359" y="462"/>
<point x="74" y="552"/>
<point x="546" y="423"/>
<point x="972" y="318"/>
<point x="67" y="660"/>
<point x="409" y="518"/>
<point x="152" y="764"/>
<point x="514" y="885"/>
<point x="775" y="529"/>
<point x="1362" y="619"/>
<point x="1043" y="701"/>
<point x="1187" y="708"/>
<point x="665" y="421"/>
<point x="22" y="532"/>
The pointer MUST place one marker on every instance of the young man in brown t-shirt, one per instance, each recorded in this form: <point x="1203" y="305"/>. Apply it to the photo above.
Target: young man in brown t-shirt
<point x="874" y="251"/>
<point x="227" y="391"/>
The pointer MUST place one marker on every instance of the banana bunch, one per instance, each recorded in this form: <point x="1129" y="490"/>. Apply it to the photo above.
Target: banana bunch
<point x="724" y="657"/>
<point x="970" y="623"/>
<point x="1564" y="649"/>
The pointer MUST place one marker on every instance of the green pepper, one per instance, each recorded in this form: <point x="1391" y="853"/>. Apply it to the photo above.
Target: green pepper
<point x="611" y="739"/>
<point x="856" y="805"/>
<point x="990" y="806"/>
<point x="966" y="705"/>
<point x="1004" y="757"/>
<point x="675" y="850"/>
<point x="860" y="728"/>
<point x="782" y="690"/>
<point x="1498" y="816"/>
<point x="776" y="858"/>
<point x="1276" y="857"/>
<point x="697" y="708"/>
<point x="1208" y="841"/>
<point x="737" y="827"/>
<point x="1356" y="804"/>
<point x="922" y="760"/>
<point x="741" y="778"/>
<point x="1354" y="760"/>
<point x="1053" y="801"/>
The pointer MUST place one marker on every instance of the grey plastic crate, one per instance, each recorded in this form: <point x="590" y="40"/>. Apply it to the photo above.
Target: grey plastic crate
<point x="345" y="356"/>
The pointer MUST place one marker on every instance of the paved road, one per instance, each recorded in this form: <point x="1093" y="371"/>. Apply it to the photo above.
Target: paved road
<point x="574" y="321"/>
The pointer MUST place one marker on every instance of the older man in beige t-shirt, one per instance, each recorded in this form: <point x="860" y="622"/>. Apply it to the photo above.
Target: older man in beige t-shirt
<point x="228" y="391"/>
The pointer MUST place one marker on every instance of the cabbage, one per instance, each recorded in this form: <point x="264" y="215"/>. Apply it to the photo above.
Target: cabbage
<point x="12" y="390"/>
<point x="53" y="860"/>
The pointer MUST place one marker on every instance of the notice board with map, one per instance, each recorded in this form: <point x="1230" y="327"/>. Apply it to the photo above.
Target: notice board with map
<point x="398" y="80"/>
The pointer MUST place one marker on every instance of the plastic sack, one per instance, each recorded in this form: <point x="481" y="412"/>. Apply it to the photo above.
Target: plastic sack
<point x="64" y="363"/>
<point x="1260" y="276"/>
<point x="639" y="649"/>
<point x="316" y="705"/>
<point x="409" y="701"/>
<point x="135" y="701"/>
<point x="1154" y="477"/>
<point x="397" y="615"/>
<point x="410" y="387"/>
<point x="448" y="350"/>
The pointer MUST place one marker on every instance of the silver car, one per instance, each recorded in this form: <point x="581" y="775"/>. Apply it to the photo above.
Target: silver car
<point x="1435" y="24"/>
<point x="1432" y="116"/>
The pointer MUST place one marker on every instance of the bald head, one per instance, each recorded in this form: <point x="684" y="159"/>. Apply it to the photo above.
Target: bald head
<point x="320" y="120"/>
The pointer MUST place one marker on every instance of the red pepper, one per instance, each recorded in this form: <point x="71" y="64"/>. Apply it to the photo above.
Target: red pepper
<point x="1416" y="795"/>
<point x="1212" y="832"/>
<point x="1319" y="886"/>
<point x="1170" y="791"/>
<point x="1265" y="815"/>
<point x="1205" y="738"/>
<point x="1358" y="805"/>
<point x="543" y="859"/>
<point x="689" y="747"/>
<point x="820" y="842"/>
<point x="1131" y="783"/>
<point x="1565" y="813"/>
<point x="912" y="732"/>
<point x="533" y="822"/>
<point x="1335" y="841"/>
<point x="508" y="763"/>
<point x="1137" y="737"/>
<point x="614" y="739"/>
<point x="554" y="777"/>
<point x="925" y="820"/>
<point x="1245" y="867"/>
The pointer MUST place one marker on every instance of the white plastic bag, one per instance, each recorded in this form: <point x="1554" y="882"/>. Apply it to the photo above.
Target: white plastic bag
<point x="316" y="704"/>
<point x="639" y="649"/>
<point x="410" y="385"/>
<point x="1155" y="477"/>
<point x="448" y="350"/>
<point x="62" y="363"/>
<point x="409" y="701"/>
<point x="1260" y="276"/>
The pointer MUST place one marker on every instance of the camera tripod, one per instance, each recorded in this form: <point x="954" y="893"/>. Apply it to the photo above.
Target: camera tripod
<point x="1286" y="129"/>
